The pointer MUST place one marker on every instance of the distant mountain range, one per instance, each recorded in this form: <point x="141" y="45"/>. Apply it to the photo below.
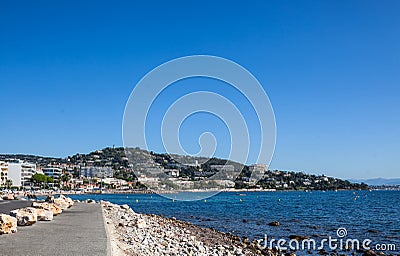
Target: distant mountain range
<point x="379" y="181"/>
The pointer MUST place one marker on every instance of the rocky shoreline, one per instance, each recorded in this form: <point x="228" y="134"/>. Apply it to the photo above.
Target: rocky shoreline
<point x="138" y="234"/>
<point x="146" y="234"/>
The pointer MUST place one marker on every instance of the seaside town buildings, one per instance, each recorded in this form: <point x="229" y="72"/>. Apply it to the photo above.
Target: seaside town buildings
<point x="96" y="172"/>
<point x="53" y="172"/>
<point x="117" y="168"/>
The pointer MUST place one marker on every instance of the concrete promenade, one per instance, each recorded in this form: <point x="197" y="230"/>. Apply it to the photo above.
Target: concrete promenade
<point x="7" y="206"/>
<point x="79" y="230"/>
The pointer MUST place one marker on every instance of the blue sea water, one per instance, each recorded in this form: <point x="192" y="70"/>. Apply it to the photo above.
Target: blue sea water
<point x="373" y="215"/>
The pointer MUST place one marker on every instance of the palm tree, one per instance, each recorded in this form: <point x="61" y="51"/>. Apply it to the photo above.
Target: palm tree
<point x="9" y="184"/>
<point x="64" y="179"/>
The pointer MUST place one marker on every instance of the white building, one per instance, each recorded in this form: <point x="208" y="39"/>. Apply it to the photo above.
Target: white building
<point x="3" y="173"/>
<point x="114" y="181"/>
<point x="259" y="168"/>
<point x="53" y="172"/>
<point x="21" y="172"/>
<point x="258" y="171"/>
<point x="96" y="172"/>
<point x="172" y="172"/>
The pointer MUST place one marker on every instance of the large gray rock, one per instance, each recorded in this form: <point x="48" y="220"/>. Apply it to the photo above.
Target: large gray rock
<point x="68" y="200"/>
<point x="8" y="224"/>
<point x="61" y="203"/>
<point x="48" y="206"/>
<point x="25" y="216"/>
<point x="44" y="215"/>
<point x="64" y="202"/>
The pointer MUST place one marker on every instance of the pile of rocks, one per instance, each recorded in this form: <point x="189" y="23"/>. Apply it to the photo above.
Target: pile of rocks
<point x="142" y="234"/>
<point x="40" y="211"/>
<point x="8" y="197"/>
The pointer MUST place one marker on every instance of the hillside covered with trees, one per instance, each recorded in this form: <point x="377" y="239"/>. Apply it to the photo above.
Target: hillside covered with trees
<point x="124" y="163"/>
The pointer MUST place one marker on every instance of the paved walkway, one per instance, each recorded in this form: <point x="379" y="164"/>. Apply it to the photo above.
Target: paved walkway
<point x="7" y="206"/>
<point x="79" y="230"/>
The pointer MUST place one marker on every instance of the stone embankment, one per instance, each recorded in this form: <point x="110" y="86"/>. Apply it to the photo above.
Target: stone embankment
<point x="132" y="233"/>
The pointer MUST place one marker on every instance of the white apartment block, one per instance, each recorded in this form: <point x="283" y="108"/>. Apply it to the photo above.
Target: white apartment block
<point x="20" y="172"/>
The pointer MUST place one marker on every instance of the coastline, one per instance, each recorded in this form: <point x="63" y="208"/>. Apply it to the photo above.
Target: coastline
<point x="132" y="233"/>
<point x="145" y="192"/>
<point x="24" y="195"/>
<point x="135" y="234"/>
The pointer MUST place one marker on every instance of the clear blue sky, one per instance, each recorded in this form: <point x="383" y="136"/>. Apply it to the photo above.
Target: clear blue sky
<point x="330" y="68"/>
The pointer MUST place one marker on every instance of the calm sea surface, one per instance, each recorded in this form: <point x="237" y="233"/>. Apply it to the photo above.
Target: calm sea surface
<point x="371" y="215"/>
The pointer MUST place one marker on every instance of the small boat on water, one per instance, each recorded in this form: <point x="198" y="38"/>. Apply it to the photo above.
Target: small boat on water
<point x="241" y="194"/>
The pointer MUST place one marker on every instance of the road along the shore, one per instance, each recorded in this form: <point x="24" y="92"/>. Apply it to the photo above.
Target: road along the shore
<point x="8" y="205"/>
<point x="79" y="230"/>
